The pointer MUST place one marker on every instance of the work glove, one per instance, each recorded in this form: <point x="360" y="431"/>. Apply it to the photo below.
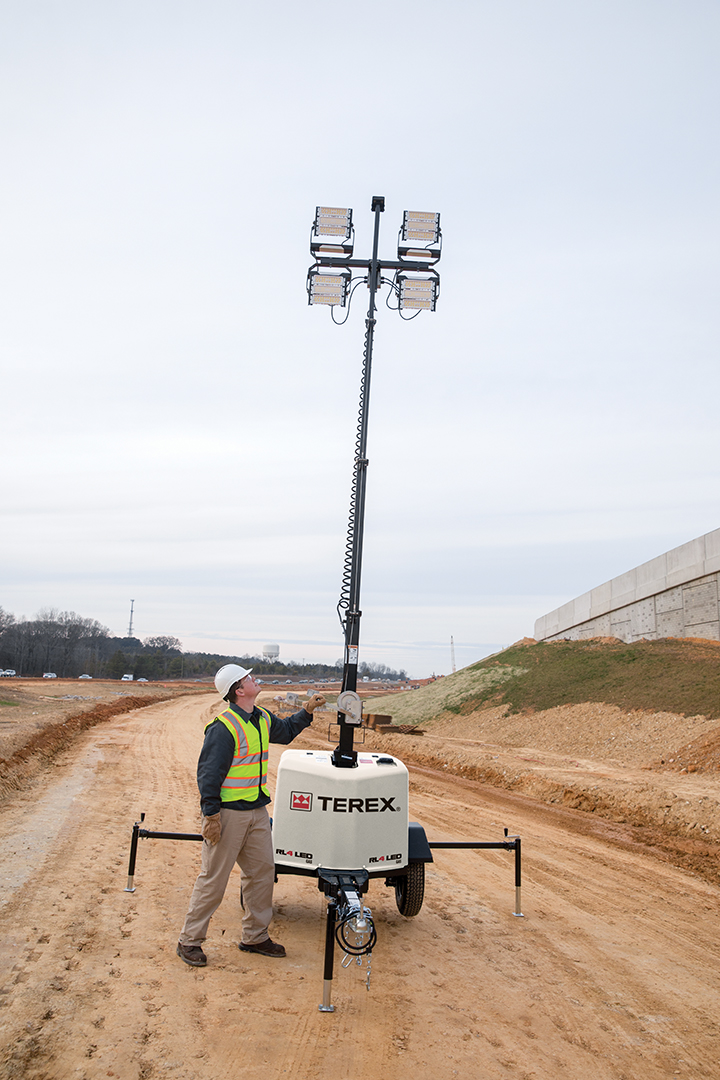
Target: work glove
<point x="314" y="703"/>
<point x="212" y="828"/>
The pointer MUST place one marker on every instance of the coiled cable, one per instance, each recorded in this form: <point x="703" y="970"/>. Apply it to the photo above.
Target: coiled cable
<point x="343" y="605"/>
<point x="362" y="927"/>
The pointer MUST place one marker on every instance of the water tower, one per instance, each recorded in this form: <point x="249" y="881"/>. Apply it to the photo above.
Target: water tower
<point x="271" y="652"/>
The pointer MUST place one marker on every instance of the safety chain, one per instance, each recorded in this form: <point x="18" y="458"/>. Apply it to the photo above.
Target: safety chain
<point x="348" y="959"/>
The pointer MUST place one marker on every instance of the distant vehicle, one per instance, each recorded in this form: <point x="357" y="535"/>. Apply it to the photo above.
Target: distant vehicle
<point x="276" y="682"/>
<point x="84" y="676"/>
<point x="258" y="681"/>
<point x="8" y="673"/>
<point x="288" y="682"/>
<point x="49" y="675"/>
<point x="127" y="678"/>
<point x="142" y="680"/>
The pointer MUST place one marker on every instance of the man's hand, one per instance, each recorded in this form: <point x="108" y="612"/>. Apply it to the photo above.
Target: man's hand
<point x="212" y="828"/>
<point x="314" y="703"/>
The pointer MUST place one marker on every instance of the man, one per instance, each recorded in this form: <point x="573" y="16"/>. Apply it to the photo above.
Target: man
<point x="232" y="778"/>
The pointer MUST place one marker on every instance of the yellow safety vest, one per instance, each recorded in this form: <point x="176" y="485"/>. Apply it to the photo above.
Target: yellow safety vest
<point x="247" y="778"/>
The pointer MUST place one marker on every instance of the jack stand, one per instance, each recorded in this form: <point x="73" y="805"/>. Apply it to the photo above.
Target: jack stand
<point x="139" y="833"/>
<point x="130" y="887"/>
<point x="345" y="913"/>
<point x="329" y="957"/>
<point x="518" y="862"/>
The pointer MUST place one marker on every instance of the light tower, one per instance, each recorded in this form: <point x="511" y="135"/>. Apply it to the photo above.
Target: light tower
<point x="130" y="628"/>
<point x="415" y="287"/>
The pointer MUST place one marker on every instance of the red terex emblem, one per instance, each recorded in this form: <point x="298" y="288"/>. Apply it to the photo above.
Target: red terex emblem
<point x="301" y="800"/>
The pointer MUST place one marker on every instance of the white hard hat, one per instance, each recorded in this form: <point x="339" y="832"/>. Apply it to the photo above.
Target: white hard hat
<point x="227" y="676"/>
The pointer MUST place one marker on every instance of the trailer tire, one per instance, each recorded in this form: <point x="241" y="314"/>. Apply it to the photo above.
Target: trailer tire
<point x="410" y="889"/>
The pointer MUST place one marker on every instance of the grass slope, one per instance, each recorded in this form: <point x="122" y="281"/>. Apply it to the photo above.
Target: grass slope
<point x="451" y="694"/>
<point x="670" y="675"/>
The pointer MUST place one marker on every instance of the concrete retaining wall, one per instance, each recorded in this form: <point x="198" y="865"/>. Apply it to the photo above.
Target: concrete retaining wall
<point x="674" y="595"/>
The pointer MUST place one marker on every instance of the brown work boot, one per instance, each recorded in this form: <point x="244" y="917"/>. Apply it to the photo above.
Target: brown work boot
<point x="264" y="948"/>
<point x="192" y="955"/>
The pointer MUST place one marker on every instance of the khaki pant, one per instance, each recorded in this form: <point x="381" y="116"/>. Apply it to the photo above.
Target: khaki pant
<point x="246" y="840"/>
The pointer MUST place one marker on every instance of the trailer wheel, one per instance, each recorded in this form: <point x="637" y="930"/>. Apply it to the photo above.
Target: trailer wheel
<point x="410" y="889"/>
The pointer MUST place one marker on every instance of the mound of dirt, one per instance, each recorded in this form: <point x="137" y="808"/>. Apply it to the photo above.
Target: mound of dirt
<point x="701" y="755"/>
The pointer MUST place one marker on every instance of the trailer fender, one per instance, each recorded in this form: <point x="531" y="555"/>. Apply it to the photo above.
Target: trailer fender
<point x="418" y="847"/>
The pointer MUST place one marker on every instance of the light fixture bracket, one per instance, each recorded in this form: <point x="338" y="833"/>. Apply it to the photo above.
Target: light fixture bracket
<point x="417" y="292"/>
<point x="329" y="287"/>
<point x="420" y="236"/>
<point x="332" y="232"/>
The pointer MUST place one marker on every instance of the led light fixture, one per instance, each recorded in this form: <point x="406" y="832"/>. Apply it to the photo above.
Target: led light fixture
<point x="420" y="293"/>
<point x="419" y="235"/>
<point x="332" y="231"/>
<point x="328" y="287"/>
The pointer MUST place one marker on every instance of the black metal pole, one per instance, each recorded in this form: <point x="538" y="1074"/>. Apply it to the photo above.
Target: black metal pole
<point x="507" y="845"/>
<point x="329" y="956"/>
<point x="518" y="881"/>
<point x="130" y="887"/>
<point x="344" y="756"/>
<point x="146" y="834"/>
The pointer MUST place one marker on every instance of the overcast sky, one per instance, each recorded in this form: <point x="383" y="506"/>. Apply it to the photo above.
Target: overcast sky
<point x="177" y="423"/>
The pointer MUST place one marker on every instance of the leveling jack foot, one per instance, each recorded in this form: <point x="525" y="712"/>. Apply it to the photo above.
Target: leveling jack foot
<point x="517" y="912"/>
<point x="327" y="989"/>
<point x="130" y="887"/>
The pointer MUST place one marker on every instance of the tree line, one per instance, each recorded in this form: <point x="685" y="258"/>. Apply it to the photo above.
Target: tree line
<point x="70" y="645"/>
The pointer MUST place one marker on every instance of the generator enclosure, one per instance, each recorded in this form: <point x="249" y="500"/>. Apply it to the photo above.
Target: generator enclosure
<point x="340" y="819"/>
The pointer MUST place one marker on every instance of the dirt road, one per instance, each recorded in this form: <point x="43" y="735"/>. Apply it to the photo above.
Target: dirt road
<point x="612" y="974"/>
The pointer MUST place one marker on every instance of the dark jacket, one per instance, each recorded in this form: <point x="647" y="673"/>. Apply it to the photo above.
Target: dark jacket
<point x="217" y="753"/>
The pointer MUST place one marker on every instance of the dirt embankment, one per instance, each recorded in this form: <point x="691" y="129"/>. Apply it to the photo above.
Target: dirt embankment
<point x="37" y="723"/>
<point x="520" y="721"/>
<point x="595" y="758"/>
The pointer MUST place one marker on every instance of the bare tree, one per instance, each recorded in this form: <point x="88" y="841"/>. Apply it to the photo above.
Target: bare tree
<point x="166" y="645"/>
<point x="6" y="620"/>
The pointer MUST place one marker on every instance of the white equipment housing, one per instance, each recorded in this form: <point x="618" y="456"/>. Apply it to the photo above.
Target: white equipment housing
<point x="340" y="819"/>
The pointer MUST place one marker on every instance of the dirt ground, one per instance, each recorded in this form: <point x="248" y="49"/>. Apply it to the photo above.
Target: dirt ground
<point x="28" y="706"/>
<point x="613" y="972"/>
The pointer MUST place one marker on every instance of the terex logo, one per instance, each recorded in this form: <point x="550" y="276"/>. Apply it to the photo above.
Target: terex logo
<point x="301" y="800"/>
<point x="360" y="806"/>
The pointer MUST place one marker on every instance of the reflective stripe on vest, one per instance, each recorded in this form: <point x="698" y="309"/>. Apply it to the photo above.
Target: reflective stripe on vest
<point x="247" y="776"/>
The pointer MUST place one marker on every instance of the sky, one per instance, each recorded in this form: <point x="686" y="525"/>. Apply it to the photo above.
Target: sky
<point x="178" y="424"/>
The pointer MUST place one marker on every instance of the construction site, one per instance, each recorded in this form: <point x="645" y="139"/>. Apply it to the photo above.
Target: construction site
<point x="241" y="835"/>
<point x="581" y="748"/>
